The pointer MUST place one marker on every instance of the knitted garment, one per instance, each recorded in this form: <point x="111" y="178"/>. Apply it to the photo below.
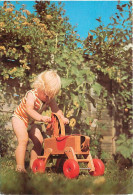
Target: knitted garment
<point x="20" y="111"/>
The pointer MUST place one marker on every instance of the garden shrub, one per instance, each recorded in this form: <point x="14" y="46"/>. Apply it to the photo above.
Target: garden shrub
<point x="108" y="51"/>
<point x="4" y="136"/>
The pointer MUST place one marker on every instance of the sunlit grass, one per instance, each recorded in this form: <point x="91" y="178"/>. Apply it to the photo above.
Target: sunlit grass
<point x="114" y="181"/>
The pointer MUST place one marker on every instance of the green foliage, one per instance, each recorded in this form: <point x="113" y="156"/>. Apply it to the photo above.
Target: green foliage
<point x="33" y="43"/>
<point x="114" y="181"/>
<point x="6" y="137"/>
<point x="3" y="136"/>
<point x="125" y="146"/>
<point x="108" y="51"/>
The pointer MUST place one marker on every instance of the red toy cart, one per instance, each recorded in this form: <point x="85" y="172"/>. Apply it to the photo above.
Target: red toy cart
<point x="70" y="150"/>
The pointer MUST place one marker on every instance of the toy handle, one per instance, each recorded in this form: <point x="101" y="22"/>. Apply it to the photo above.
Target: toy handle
<point x="56" y="126"/>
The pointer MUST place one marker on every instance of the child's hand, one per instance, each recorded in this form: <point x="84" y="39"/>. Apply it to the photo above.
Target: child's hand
<point x="65" y="120"/>
<point x="46" y="119"/>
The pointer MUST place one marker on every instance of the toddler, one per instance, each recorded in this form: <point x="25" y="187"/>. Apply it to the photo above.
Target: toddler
<point x="45" y="87"/>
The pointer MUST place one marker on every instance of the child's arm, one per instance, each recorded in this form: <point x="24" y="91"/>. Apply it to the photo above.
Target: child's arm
<point x="31" y="112"/>
<point x="55" y="108"/>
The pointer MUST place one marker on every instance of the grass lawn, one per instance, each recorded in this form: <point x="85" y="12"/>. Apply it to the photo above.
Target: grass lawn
<point x="114" y="181"/>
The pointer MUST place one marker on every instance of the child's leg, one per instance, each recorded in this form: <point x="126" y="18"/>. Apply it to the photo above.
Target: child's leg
<point x="37" y="139"/>
<point x="22" y="137"/>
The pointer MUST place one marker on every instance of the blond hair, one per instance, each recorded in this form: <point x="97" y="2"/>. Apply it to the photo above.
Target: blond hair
<point x="49" y="81"/>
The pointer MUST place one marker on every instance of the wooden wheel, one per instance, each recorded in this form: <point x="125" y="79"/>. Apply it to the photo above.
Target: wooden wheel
<point x="99" y="168"/>
<point x="71" y="169"/>
<point x="38" y="166"/>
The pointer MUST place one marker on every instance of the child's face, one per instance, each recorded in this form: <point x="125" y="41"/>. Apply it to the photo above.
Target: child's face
<point x="42" y="95"/>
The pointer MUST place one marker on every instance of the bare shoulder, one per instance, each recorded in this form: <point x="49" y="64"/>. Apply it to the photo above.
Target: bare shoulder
<point x="30" y="94"/>
<point x="30" y="98"/>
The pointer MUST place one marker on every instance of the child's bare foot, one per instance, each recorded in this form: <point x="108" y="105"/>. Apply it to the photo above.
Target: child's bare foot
<point x="21" y="169"/>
